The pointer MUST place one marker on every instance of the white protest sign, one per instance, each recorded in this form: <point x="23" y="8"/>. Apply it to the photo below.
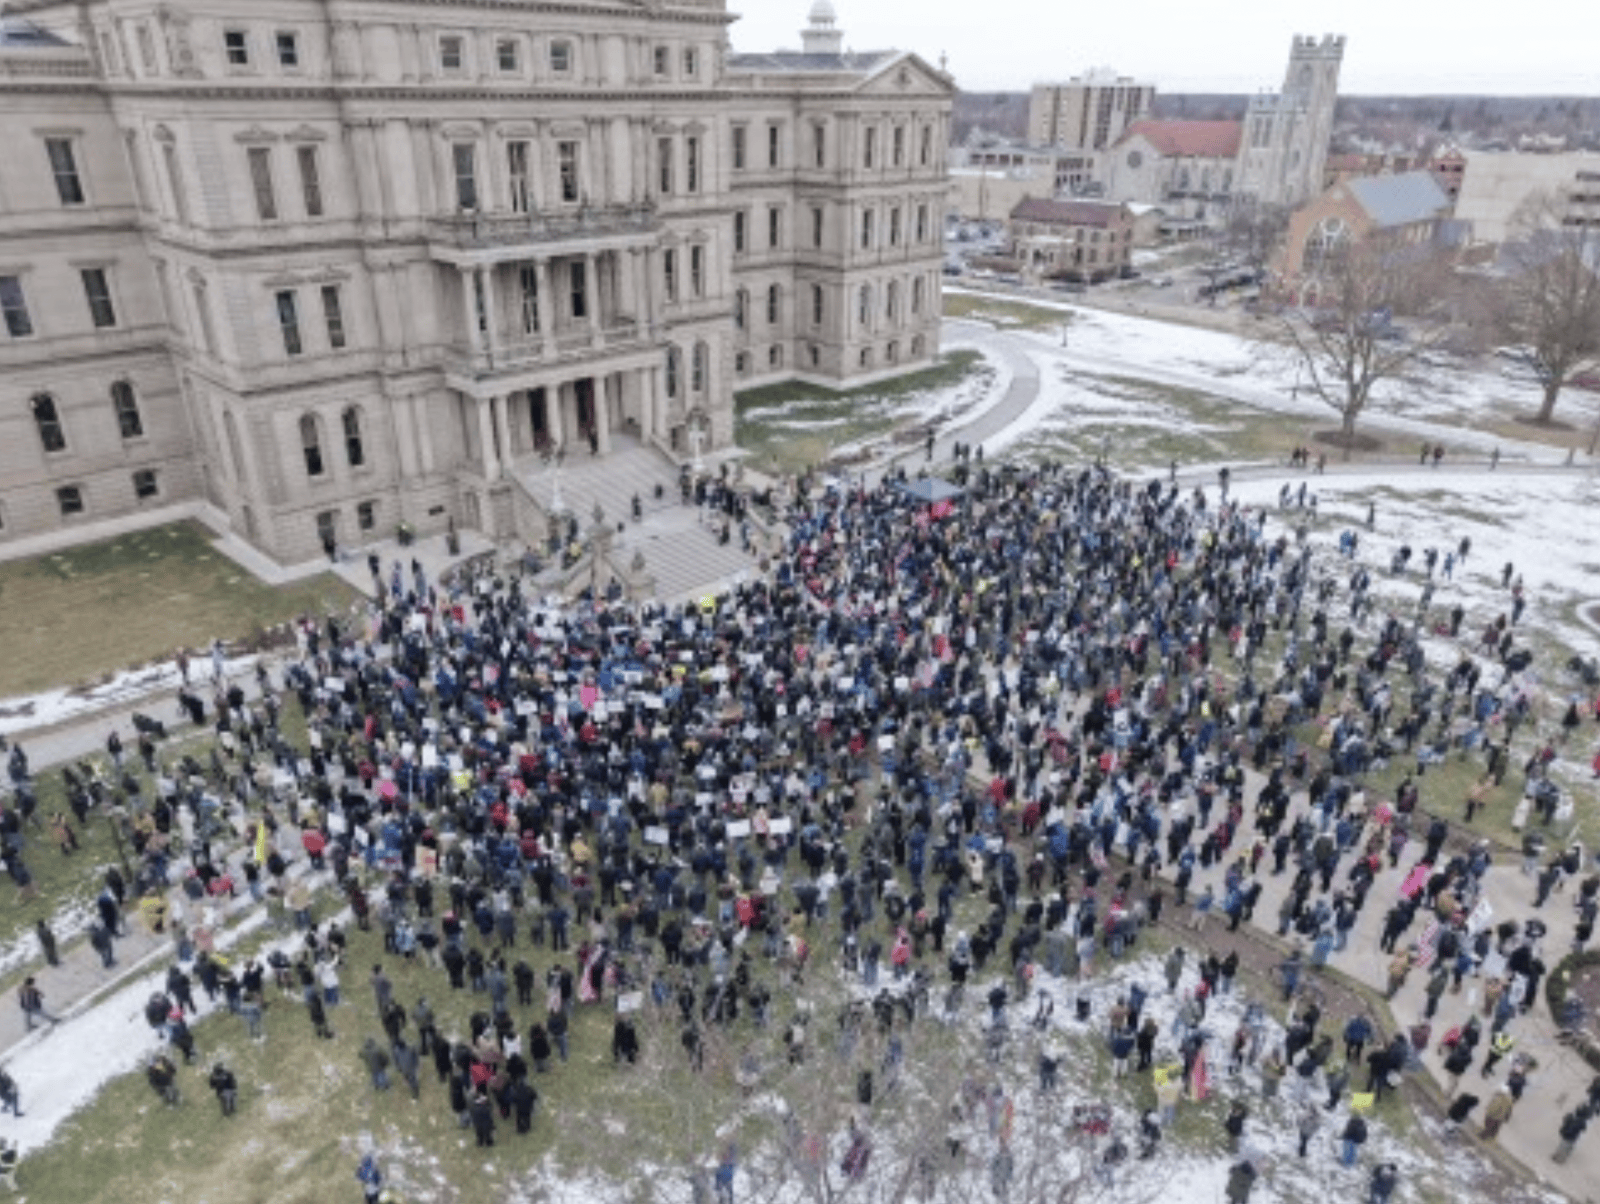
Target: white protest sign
<point x="738" y="827"/>
<point x="781" y="826"/>
<point x="655" y="835"/>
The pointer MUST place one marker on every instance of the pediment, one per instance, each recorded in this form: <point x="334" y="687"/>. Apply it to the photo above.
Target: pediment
<point x="907" y="75"/>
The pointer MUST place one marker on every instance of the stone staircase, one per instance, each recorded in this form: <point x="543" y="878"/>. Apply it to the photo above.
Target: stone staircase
<point x="611" y="480"/>
<point x="684" y="557"/>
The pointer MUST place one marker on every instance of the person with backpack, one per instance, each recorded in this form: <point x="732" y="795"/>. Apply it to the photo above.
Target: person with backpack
<point x="1352" y="1139"/>
<point x="31" y="999"/>
<point x="223" y="1082"/>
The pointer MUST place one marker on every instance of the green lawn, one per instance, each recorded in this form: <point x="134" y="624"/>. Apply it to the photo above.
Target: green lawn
<point x="793" y="426"/>
<point x="1004" y="313"/>
<point x="76" y="615"/>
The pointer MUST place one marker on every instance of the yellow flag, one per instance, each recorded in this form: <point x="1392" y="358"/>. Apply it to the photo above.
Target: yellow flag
<point x="1361" y="1102"/>
<point x="261" y="843"/>
<point x="1161" y="1075"/>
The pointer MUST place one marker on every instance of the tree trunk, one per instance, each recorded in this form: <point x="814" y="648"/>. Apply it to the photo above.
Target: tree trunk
<point x="1552" y="390"/>
<point x="1347" y="429"/>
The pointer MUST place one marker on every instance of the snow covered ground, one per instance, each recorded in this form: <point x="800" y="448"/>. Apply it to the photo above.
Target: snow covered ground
<point x="50" y="707"/>
<point x="1233" y="368"/>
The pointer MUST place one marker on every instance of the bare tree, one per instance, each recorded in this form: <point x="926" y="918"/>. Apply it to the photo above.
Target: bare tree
<point x="1253" y="234"/>
<point x="1351" y="341"/>
<point x="1549" y="300"/>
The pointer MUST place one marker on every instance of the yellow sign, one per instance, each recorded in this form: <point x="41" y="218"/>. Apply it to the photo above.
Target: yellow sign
<point x="1361" y="1102"/>
<point x="1162" y="1074"/>
<point x="708" y="604"/>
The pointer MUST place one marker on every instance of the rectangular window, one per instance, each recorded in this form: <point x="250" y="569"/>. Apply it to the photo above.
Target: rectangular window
<point x="328" y="528"/>
<point x="560" y="57"/>
<point x="664" y="165"/>
<point x="739" y="232"/>
<point x="869" y="147"/>
<point x="774" y="227"/>
<point x="237" y="44"/>
<point x="772" y="304"/>
<point x="367" y="515"/>
<point x="333" y="314"/>
<point x="70" y="499"/>
<point x="580" y="296"/>
<point x="740" y="138"/>
<point x="289" y="322"/>
<point x="464" y="158"/>
<point x="669" y="274"/>
<point x="899" y="146"/>
<point x="926" y="155"/>
<point x="528" y="278"/>
<point x="819" y="146"/>
<point x="129" y="424"/>
<point x="506" y="54"/>
<point x="691" y="149"/>
<point x="816" y="305"/>
<point x="816" y="228"/>
<point x="866" y="230"/>
<point x="663" y="61"/>
<point x="567" y="167"/>
<point x="288" y="50"/>
<point x="144" y="484"/>
<point x="95" y="287"/>
<point x="691" y="62"/>
<point x="64" y="166"/>
<point x="450" y="53"/>
<point x="310" y="180"/>
<point x="202" y="308"/>
<point x="147" y="48"/>
<point x="14" y="306"/>
<point x="922" y="223"/>
<point x="261" y="183"/>
<point x="894" y="226"/>
<point x="697" y="271"/>
<point x="773" y="136"/>
<point x="517" y="173"/>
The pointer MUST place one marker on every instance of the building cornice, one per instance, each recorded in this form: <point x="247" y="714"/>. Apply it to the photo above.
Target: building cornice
<point x="645" y="10"/>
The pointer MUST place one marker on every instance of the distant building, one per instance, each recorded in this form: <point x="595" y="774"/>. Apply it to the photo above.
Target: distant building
<point x="1495" y="184"/>
<point x="1089" y="241"/>
<point x="1403" y="210"/>
<point x="1088" y="112"/>
<point x="1199" y="170"/>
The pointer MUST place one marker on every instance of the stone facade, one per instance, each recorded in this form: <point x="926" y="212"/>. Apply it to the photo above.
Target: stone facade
<point x="364" y="261"/>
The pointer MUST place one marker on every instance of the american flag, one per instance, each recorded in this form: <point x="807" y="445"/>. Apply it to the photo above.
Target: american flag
<point x="1416" y="879"/>
<point x="1200" y="1079"/>
<point x="1427" y="950"/>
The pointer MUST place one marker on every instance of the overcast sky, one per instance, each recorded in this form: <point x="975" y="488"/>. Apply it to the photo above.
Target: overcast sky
<point x="1394" y="46"/>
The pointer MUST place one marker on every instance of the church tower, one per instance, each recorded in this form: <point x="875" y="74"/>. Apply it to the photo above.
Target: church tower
<point x="1284" y="147"/>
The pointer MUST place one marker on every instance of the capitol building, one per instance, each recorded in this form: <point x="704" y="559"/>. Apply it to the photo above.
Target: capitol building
<point x="317" y="269"/>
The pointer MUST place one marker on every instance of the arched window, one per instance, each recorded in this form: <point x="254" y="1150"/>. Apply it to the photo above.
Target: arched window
<point x="311" y="444"/>
<point x="864" y="308"/>
<point x="1326" y="245"/>
<point x="48" y="420"/>
<point x="741" y="307"/>
<point x="774" y="297"/>
<point x="127" y="407"/>
<point x="353" y="451"/>
<point x="697" y="380"/>
<point x="672" y="371"/>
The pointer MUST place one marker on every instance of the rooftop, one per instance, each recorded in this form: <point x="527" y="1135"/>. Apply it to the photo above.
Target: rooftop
<point x="854" y="62"/>
<point x="1413" y="196"/>
<point x="1069" y="213"/>
<point x="19" y="34"/>
<point x="1189" y="139"/>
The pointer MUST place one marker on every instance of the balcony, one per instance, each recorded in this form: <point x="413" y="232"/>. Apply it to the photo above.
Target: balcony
<point x="478" y="236"/>
<point x="536" y="353"/>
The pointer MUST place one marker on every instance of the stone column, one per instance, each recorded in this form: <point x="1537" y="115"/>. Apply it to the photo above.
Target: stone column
<point x="502" y="428"/>
<point x="544" y="302"/>
<point x="491" y="311"/>
<point x="552" y="414"/>
<point x="602" y="410"/>
<point x="647" y="403"/>
<point x="591" y="283"/>
<point x="469" y="305"/>
<point x="491" y="465"/>
<point x="424" y="420"/>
